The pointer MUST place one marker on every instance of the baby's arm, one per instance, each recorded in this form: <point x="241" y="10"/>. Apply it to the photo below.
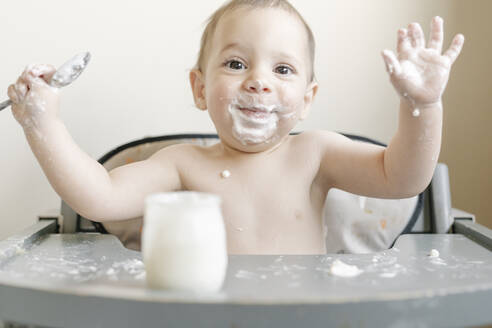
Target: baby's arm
<point x="80" y="180"/>
<point x="406" y="166"/>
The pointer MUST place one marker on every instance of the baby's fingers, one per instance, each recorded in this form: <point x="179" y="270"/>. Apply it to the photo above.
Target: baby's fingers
<point x="13" y="94"/>
<point x="416" y="35"/>
<point x="404" y="44"/>
<point x="455" y="49"/>
<point x="436" y="34"/>
<point x="17" y="92"/>
<point x="46" y="72"/>
<point x="392" y="63"/>
<point x="42" y="71"/>
<point x="21" y="87"/>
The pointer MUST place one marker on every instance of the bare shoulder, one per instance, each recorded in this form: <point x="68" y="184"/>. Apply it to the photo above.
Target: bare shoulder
<point x="311" y="146"/>
<point x="328" y="152"/>
<point x="324" y="136"/>
<point x="319" y="140"/>
<point x="178" y="152"/>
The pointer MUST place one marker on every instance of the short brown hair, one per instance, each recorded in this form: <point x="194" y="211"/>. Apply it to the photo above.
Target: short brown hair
<point x="235" y="4"/>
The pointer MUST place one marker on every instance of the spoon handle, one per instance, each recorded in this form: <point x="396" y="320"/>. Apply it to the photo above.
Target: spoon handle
<point x="5" y="104"/>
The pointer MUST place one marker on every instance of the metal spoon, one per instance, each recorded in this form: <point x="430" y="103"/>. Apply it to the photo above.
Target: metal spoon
<point x="66" y="74"/>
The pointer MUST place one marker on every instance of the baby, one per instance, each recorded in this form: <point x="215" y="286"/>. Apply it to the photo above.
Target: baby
<point x="255" y="78"/>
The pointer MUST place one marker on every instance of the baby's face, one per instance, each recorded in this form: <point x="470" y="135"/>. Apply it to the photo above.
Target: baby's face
<point x="257" y="82"/>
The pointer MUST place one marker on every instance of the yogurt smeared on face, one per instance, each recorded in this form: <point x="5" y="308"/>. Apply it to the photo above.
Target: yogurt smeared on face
<point x="255" y="123"/>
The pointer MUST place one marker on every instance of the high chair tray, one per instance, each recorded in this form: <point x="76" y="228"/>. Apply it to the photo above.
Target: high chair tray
<point x="91" y="280"/>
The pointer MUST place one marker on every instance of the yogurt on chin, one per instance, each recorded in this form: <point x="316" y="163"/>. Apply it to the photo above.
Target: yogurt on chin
<point x="253" y="123"/>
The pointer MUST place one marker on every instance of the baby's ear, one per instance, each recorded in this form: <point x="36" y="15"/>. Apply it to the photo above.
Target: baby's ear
<point x="311" y="91"/>
<point x="198" y="88"/>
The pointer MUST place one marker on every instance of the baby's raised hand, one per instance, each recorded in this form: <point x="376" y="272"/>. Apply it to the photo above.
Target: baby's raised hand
<point x="33" y="99"/>
<point x="418" y="73"/>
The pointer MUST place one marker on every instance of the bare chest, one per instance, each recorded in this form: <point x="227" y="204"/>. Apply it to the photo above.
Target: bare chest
<point x="267" y="209"/>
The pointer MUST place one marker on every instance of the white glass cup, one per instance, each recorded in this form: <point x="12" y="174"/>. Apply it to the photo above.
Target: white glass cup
<point x="184" y="241"/>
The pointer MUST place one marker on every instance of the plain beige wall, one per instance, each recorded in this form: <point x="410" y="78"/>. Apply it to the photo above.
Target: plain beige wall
<point x="136" y="84"/>
<point x="467" y="143"/>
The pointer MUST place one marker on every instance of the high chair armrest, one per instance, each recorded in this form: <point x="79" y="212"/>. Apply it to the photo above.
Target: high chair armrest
<point x="474" y="231"/>
<point x="52" y="216"/>
<point x="458" y="214"/>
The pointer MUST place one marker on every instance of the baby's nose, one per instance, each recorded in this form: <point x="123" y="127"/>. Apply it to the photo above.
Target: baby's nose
<point x="257" y="85"/>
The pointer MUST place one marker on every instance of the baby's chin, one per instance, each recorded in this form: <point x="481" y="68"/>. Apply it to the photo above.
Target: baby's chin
<point x="258" y="128"/>
<point x="256" y="145"/>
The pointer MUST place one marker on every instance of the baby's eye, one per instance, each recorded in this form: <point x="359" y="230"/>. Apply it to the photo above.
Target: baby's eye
<point x="235" y="65"/>
<point x="283" y="70"/>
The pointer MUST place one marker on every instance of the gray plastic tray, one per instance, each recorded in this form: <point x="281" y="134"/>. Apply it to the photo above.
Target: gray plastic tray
<point x="91" y="280"/>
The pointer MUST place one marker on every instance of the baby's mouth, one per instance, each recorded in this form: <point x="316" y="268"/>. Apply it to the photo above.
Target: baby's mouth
<point x="255" y="112"/>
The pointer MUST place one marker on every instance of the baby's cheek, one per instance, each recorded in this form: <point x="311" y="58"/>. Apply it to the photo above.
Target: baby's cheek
<point x="292" y="101"/>
<point x="220" y="95"/>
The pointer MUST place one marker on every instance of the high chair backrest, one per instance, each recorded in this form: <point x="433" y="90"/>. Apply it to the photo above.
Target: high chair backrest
<point x="353" y="224"/>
